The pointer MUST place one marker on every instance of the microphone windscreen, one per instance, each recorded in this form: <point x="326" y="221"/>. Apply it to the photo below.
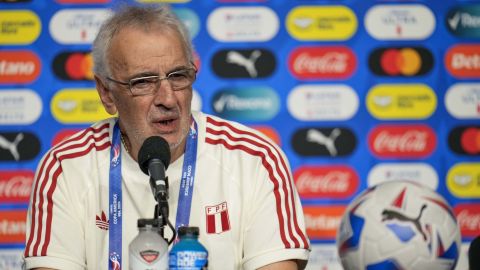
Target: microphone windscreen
<point x="474" y="254"/>
<point x="154" y="147"/>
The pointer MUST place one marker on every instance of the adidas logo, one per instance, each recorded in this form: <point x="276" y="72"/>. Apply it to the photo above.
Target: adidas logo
<point x="102" y="222"/>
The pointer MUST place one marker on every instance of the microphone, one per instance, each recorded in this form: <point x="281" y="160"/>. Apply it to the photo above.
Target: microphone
<point x="153" y="159"/>
<point x="473" y="254"/>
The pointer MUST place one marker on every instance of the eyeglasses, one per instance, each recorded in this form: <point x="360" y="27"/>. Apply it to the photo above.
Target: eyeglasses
<point x="147" y="85"/>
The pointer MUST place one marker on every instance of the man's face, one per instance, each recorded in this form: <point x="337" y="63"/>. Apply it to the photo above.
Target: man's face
<point x="136" y="53"/>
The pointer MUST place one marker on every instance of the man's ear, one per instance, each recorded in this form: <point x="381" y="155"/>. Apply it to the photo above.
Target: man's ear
<point x="106" y="96"/>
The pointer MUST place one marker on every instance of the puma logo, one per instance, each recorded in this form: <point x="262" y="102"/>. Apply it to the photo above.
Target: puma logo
<point x="234" y="57"/>
<point x="318" y="137"/>
<point x="392" y="214"/>
<point x="12" y="146"/>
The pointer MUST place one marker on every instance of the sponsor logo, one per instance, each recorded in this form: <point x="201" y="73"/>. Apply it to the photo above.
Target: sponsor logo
<point x="83" y="1"/>
<point x="246" y="103"/>
<point x="76" y="26"/>
<point x="330" y="142"/>
<point x="15" y="186"/>
<point x="11" y="2"/>
<point x="217" y="218"/>
<point x="77" y="106"/>
<point x="310" y="23"/>
<point x="19" y="67"/>
<point x="190" y="20"/>
<point x="252" y="63"/>
<point x="73" y="66"/>
<point x="322" y="102"/>
<point x="421" y="173"/>
<point x="332" y="181"/>
<point x="462" y="180"/>
<point x="102" y="221"/>
<point x="63" y="135"/>
<point x="234" y="24"/>
<point x="401" y="101"/>
<point x="402" y="141"/>
<point x="468" y="219"/>
<point x="18" y="146"/>
<point x="19" y="106"/>
<point x="465" y="140"/>
<point x="462" y="100"/>
<point x="19" y="27"/>
<point x="463" y="61"/>
<point x="400" y="61"/>
<point x="325" y="257"/>
<point x="400" y="22"/>
<point x="322" y="222"/>
<point x="270" y="132"/>
<point x="337" y="62"/>
<point x="11" y="259"/>
<point x="464" y="21"/>
<point x="12" y="226"/>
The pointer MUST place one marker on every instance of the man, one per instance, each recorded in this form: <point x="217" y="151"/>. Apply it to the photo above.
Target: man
<point x="243" y="197"/>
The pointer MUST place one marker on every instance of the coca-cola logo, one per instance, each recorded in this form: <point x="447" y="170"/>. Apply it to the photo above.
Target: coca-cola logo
<point x="337" y="182"/>
<point x="468" y="218"/>
<point x="402" y="141"/>
<point x="15" y="186"/>
<point x="322" y="62"/>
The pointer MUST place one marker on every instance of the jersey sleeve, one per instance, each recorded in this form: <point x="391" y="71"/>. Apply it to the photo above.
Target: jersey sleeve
<point x="275" y="229"/>
<point x="54" y="235"/>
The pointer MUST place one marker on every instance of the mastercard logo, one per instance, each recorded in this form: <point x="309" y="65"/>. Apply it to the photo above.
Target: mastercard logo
<point x="401" y="61"/>
<point x="465" y="140"/>
<point x="73" y="66"/>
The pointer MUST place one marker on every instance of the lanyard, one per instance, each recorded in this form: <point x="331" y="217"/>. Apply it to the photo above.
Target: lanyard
<point x="115" y="192"/>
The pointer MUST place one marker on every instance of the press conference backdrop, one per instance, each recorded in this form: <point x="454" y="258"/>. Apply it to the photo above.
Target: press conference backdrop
<point x="355" y="92"/>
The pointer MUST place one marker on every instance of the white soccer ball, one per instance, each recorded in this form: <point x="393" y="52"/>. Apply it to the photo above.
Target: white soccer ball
<point x="399" y="225"/>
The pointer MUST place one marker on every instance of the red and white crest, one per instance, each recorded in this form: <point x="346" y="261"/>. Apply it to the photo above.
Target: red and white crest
<point x="217" y="218"/>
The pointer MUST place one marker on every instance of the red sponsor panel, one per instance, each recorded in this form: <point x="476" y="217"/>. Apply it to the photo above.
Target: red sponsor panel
<point x="19" y="66"/>
<point x="402" y="141"/>
<point x="463" y="61"/>
<point x="336" y="181"/>
<point x="323" y="221"/>
<point x="62" y="135"/>
<point x="468" y="218"/>
<point x="15" y="186"/>
<point x="335" y="62"/>
<point x="12" y="226"/>
<point x="269" y="132"/>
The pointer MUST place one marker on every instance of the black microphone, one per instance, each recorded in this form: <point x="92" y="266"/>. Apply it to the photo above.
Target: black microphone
<point x="474" y="254"/>
<point x="153" y="159"/>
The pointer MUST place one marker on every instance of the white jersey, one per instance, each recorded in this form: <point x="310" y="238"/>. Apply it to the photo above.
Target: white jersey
<point x="244" y="201"/>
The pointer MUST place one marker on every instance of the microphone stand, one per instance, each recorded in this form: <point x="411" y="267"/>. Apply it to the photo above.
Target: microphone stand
<point x="162" y="209"/>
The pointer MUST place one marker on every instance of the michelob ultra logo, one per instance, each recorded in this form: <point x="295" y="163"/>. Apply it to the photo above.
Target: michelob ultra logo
<point x="462" y="180"/>
<point x="77" y="106"/>
<point x="321" y="23"/>
<point x="401" y="101"/>
<point x="19" y="27"/>
<point x="462" y="100"/>
<point x="19" y="67"/>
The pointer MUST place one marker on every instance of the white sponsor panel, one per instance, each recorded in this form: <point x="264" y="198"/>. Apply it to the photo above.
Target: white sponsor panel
<point x="19" y="106"/>
<point x="233" y="24"/>
<point x="400" y="22"/>
<point x="322" y="102"/>
<point x="324" y="257"/>
<point x="196" y="101"/>
<point x="462" y="100"/>
<point x="11" y="259"/>
<point x="421" y="173"/>
<point x="77" y="26"/>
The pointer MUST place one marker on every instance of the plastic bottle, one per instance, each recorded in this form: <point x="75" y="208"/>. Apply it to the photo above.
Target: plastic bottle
<point x="148" y="250"/>
<point x="188" y="253"/>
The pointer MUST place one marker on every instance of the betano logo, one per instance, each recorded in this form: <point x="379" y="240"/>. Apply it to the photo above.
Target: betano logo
<point x="19" y="27"/>
<point x="464" y="21"/>
<point x="463" y="61"/>
<point x="400" y="22"/>
<point x="462" y="100"/>
<point x="326" y="62"/>
<point x="19" y="67"/>
<point x="465" y="140"/>
<point x="400" y="61"/>
<point x="401" y="101"/>
<point x="322" y="222"/>
<point x="77" y="106"/>
<point x="313" y="23"/>
<point x="12" y="226"/>
<point x="462" y="180"/>
<point x="73" y="65"/>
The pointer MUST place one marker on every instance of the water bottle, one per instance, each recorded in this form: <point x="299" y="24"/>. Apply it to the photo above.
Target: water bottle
<point x="188" y="253"/>
<point x="148" y="250"/>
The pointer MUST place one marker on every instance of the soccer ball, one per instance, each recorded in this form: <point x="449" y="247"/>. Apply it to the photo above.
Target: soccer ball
<point x="398" y="225"/>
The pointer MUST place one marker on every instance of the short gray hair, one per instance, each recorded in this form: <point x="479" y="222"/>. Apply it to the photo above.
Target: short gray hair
<point x="141" y="16"/>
